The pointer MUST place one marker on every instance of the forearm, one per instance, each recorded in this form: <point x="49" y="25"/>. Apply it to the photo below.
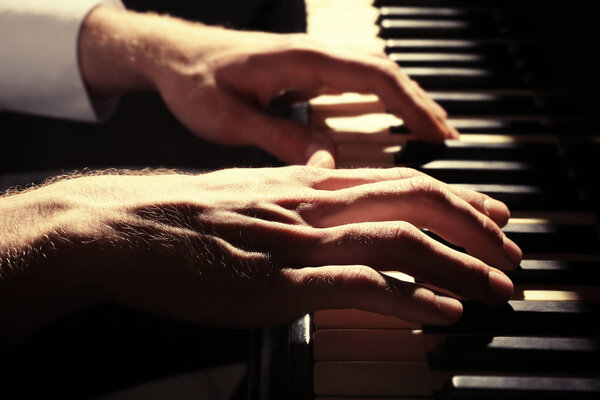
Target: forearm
<point x="123" y="51"/>
<point x="41" y="276"/>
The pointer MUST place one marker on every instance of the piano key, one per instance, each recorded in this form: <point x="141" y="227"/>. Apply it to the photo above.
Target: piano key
<point x="541" y="292"/>
<point x="538" y="193"/>
<point x="531" y="197"/>
<point x="554" y="238"/>
<point x="492" y="125"/>
<point x="428" y="28"/>
<point x="376" y="378"/>
<point x="557" y="272"/>
<point x="391" y="12"/>
<point x="439" y="59"/>
<point x="401" y="27"/>
<point x="372" y="344"/>
<point x="414" y="378"/>
<point x="359" y="319"/>
<point x="526" y="318"/>
<point x="481" y="171"/>
<point x="426" y="3"/>
<point x="486" y="104"/>
<point x="497" y="48"/>
<point x="469" y="387"/>
<point x="532" y="354"/>
<point x="417" y="152"/>
<point x="432" y="78"/>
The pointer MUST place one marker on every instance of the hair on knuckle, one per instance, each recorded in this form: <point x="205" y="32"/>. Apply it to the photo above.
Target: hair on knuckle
<point x="428" y="189"/>
<point x="397" y="230"/>
<point x="361" y="274"/>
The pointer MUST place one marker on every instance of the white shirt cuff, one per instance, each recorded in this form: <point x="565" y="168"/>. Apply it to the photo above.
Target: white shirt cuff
<point x="39" y="72"/>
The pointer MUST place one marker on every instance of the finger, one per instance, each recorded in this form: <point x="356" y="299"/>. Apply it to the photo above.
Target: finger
<point x="424" y="203"/>
<point x="347" y="178"/>
<point x="401" y="246"/>
<point x="309" y="69"/>
<point x="321" y="157"/>
<point x="495" y="209"/>
<point x="363" y="288"/>
<point x="290" y="141"/>
<point x="382" y="77"/>
<point x="381" y="245"/>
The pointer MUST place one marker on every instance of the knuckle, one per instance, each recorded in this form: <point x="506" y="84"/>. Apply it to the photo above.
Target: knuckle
<point x="422" y="296"/>
<point x="388" y="73"/>
<point x="429" y="190"/>
<point x="398" y="231"/>
<point x="362" y="275"/>
<point x="307" y="175"/>
<point x="404" y="173"/>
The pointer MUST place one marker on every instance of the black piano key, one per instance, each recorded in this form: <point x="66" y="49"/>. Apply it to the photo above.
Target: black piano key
<point x="554" y="238"/>
<point x="433" y="78"/>
<point x="507" y="172"/>
<point x="582" y="155"/>
<point x="470" y="387"/>
<point x="550" y="197"/>
<point x="519" y="317"/>
<point x="417" y="152"/>
<point x="485" y="103"/>
<point x="406" y="59"/>
<point x="561" y="104"/>
<point x="492" y="125"/>
<point x="572" y="128"/>
<point x="556" y="272"/>
<point x="516" y="353"/>
<point x="426" y="3"/>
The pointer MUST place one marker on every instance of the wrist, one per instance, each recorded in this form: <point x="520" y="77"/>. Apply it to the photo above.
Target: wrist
<point x="116" y="51"/>
<point x="122" y="51"/>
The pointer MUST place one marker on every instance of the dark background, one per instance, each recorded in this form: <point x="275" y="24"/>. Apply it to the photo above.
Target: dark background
<point x="107" y="347"/>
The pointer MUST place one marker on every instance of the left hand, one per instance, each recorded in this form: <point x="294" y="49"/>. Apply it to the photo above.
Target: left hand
<point x="218" y="82"/>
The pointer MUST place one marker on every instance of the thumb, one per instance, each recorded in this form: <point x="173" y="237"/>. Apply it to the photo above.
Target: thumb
<point x="320" y="152"/>
<point x="291" y="141"/>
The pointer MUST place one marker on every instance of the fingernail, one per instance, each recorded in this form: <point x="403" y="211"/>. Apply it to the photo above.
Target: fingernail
<point x="500" y="286"/>
<point x="321" y="158"/>
<point x="513" y="252"/>
<point x="319" y="152"/>
<point x="449" y="306"/>
<point x="497" y="210"/>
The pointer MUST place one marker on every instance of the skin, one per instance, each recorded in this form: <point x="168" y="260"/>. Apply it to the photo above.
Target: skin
<point x="246" y="247"/>
<point x="218" y="82"/>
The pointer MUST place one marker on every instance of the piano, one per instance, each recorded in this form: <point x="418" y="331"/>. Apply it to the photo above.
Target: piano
<point x="516" y="82"/>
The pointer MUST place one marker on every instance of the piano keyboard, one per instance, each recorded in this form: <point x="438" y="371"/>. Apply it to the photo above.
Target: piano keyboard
<point x="521" y="143"/>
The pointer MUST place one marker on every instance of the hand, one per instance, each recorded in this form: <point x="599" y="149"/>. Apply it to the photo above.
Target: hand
<point x="261" y="246"/>
<point x="218" y="82"/>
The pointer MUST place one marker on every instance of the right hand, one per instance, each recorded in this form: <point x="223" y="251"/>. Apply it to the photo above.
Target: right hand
<point x="218" y="82"/>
